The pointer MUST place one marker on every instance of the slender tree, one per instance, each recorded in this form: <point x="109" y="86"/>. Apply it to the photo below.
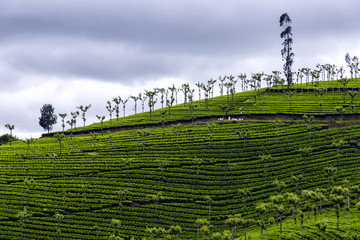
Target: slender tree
<point x="156" y="199"/>
<point x="121" y="194"/>
<point x="143" y="133"/>
<point x="23" y="215"/>
<point x="110" y="109"/>
<point x="29" y="183"/>
<point x="59" y="137"/>
<point x="321" y="92"/>
<point x="305" y="152"/>
<point x="290" y="93"/>
<point x="84" y="187"/>
<point x="338" y="201"/>
<point x="309" y="120"/>
<point x="340" y="110"/>
<point x="101" y="119"/>
<point x="245" y="193"/>
<point x="178" y="128"/>
<point x="209" y="201"/>
<point x="296" y="180"/>
<point x="124" y="101"/>
<point x="163" y="164"/>
<point x="117" y="102"/>
<point x="231" y="167"/>
<point x="84" y="109"/>
<point x="175" y="230"/>
<point x="277" y="123"/>
<point x="93" y="156"/>
<point x="244" y="134"/>
<point x="199" y="223"/>
<point x="330" y="172"/>
<point x="322" y="227"/>
<point x="63" y="116"/>
<point x="53" y="156"/>
<point x="339" y="144"/>
<point x="286" y="52"/>
<point x="198" y="162"/>
<point x="10" y="127"/>
<point x="211" y="126"/>
<point x="294" y="201"/>
<point x="59" y="217"/>
<point x="352" y="95"/>
<point x="74" y="115"/>
<point x="135" y="98"/>
<point x="127" y="162"/>
<point x="265" y="159"/>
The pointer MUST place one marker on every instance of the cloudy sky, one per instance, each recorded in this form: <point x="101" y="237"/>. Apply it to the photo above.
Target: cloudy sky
<point x="72" y="53"/>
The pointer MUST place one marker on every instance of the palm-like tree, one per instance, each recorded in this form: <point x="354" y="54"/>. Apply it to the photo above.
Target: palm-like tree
<point x="245" y="223"/>
<point x="198" y="163"/>
<point x="338" y="200"/>
<point x="163" y="164"/>
<point x="22" y="215"/>
<point x="301" y="217"/>
<point x="320" y="196"/>
<point x="84" y="110"/>
<point x="59" y="137"/>
<point x="245" y="193"/>
<point x="294" y="201"/>
<point x="127" y="162"/>
<point x="143" y="133"/>
<point x="309" y="120"/>
<point x="65" y="193"/>
<point x="209" y="201"/>
<point x="178" y="130"/>
<point x="261" y="208"/>
<point x="117" y="102"/>
<point x="121" y="193"/>
<point x="305" y="152"/>
<point x="200" y="222"/>
<point x="223" y="108"/>
<point x="277" y="204"/>
<point x="321" y="92"/>
<point x="156" y="199"/>
<point x="296" y="180"/>
<point x="340" y="110"/>
<point x="308" y="195"/>
<point x="243" y="134"/>
<point x="63" y="116"/>
<point x="101" y="119"/>
<point x="211" y="126"/>
<point x="352" y="96"/>
<point x="233" y="221"/>
<point x="115" y="225"/>
<point x="265" y="159"/>
<point x="290" y="93"/>
<point x="59" y="217"/>
<point x="176" y="230"/>
<point x="93" y="156"/>
<point x="231" y="167"/>
<point x="330" y="171"/>
<point x="276" y="124"/>
<point x="110" y="109"/>
<point x="339" y="144"/>
<point x="344" y="82"/>
<point x="279" y="186"/>
<point x="10" y="127"/>
<point x="322" y="227"/>
<point x="53" y="156"/>
<point x="29" y="183"/>
<point x="265" y="225"/>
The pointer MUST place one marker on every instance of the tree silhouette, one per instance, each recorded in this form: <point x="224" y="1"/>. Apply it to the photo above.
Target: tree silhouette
<point x="59" y="217"/>
<point x="94" y="136"/>
<point x="211" y="126"/>
<point x="209" y="201"/>
<point x="48" y="118"/>
<point x="321" y="92"/>
<point x="124" y="101"/>
<point x="344" y="82"/>
<point x="143" y="133"/>
<point x="10" y="127"/>
<point x="322" y="227"/>
<point x="305" y="152"/>
<point x="290" y="93"/>
<point x="223" y="108"/>
<point x="121" y="194"/>
<point x="71" y="123"/>
<point x="23" y="215"/>
<point x="163" y="164"/>
<point x="151" y="101"/>
<point x="84" y="109"/>
<point x="276" y="124"/>
<point x="93" y="156"/>
<point x="29" y="183"/>
<point x="296" y="180"/>
<point x="156" y="199"/>
<point x="341" y="110"/>
<point x="53" y="156"/>
<point x="110" y="110"/>
<point x="339" y="144"/>
<point x="200" y="222"/>
<point x="63" y="116"/>
<point x="117" y="102"/>
<point x="352" y="95"/>
<point x="74" y="116"/>
<point x="244" y="134"/>
<point x="101" y="119"/>
<point x="127" y="162"/>
<point x="309" y="120"/>
<point x="178" y="128"/>
<point x="59" y="137"/>
<point x="330" y="172"/>
<point x="286" y="52"/>
<point x="265" y="159"/>
<point x="135" y="98"/>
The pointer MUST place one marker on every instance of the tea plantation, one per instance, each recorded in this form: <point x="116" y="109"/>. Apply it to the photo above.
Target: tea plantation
<point x="152" y="177"/>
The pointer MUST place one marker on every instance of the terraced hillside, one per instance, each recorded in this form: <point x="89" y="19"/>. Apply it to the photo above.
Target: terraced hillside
<point x="181" y="164"/>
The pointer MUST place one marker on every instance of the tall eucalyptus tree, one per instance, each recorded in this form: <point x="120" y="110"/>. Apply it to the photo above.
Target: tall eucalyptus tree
<point x="117" y="101"/>
<point x="10" y="127"/>
<point x="286" y="52"/>
<point x="84" y="109"/>
<point x="110" y="110"/>
<point x="63" y="116"/>
<point x="221" y="84"/>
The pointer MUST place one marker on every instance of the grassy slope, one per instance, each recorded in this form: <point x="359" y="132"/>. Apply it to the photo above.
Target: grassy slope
<point x="182" y="202"/>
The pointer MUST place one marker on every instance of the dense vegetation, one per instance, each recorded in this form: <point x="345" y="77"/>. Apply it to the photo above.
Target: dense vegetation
<point x="156" y="173"/>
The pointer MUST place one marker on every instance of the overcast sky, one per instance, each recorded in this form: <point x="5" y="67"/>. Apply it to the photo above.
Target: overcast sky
<point x="72" y="53"/>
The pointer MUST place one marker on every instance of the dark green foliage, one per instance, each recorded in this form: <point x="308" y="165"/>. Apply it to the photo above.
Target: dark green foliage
<point x="48" y="117"/>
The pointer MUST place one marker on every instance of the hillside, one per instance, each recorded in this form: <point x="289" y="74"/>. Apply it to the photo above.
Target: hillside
<point x="83" y="186"/>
